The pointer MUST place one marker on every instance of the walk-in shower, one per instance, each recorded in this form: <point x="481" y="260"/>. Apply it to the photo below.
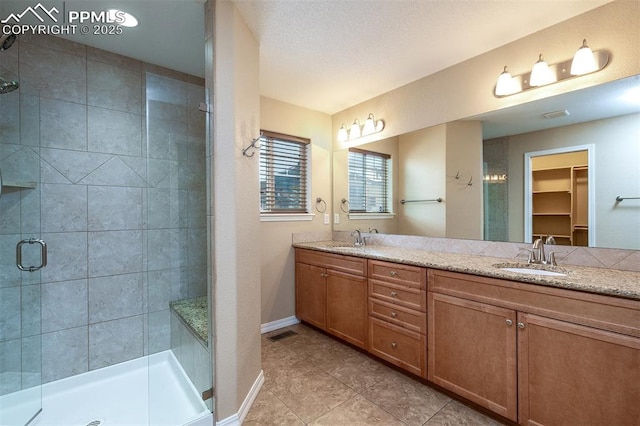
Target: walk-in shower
<point x="110" y="175"/>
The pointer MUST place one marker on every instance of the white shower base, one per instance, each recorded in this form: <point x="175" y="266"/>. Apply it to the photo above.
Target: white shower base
<point x="152" y="390"/>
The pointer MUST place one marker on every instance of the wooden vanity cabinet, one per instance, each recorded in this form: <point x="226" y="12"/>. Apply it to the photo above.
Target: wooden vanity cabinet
<point x="472" y="352"/>
<point x="533" y="354"/>
<point x="397" y="315"/>
<point x="331" y="294"/>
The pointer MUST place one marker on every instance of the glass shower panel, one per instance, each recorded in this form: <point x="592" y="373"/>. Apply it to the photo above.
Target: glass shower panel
<point x="176" y="235"/>
<point x="20" y="317"/>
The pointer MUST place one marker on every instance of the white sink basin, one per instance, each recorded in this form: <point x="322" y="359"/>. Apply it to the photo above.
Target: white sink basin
<point x="530" y="271"/>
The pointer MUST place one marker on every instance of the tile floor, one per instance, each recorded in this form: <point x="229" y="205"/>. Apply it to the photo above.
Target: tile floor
<point x="312" y="379"/>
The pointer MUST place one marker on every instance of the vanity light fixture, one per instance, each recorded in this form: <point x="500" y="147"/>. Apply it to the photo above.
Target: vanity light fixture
<point x="505" y="85"/>
<point x="541" y="74"/>
<point x="355" y="131"/>
<point x="343" y="135"/>
<point x="584" y="61"/>
<point x="371" y="126"/>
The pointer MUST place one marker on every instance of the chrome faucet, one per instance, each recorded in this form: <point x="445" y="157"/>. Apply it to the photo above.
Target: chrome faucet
<point x="358" y="241"/>
<point x="537" y="255"/>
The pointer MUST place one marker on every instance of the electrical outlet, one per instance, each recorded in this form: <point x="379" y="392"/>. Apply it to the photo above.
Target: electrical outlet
<point x="326" y="218"/>
<point x="336" y="218"/>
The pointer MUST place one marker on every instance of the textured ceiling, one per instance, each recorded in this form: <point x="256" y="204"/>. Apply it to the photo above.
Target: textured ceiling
<point x="328" y="55"/>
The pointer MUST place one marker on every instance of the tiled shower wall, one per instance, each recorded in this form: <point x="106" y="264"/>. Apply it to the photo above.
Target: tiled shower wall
<point x="122" y="201"/>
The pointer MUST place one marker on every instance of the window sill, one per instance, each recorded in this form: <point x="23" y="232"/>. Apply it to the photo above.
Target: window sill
<point x="286" y="217"/>
<point x="371" y="216"/>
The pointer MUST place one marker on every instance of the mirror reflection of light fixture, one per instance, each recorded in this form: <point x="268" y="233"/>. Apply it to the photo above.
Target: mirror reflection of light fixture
<point x="584" y="61"/>
<point x="355" y="131"/>
<point x="370" y="127"/>
<point x="541" y="74"/>
<point x="343" y="135"/>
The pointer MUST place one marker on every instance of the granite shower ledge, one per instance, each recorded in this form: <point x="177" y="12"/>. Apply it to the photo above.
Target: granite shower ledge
<point x="193" y="313"/>
<point x="610" y="282"/>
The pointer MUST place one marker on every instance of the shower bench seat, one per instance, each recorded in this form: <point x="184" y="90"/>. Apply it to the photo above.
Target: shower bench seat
<point x="193" y="314"/>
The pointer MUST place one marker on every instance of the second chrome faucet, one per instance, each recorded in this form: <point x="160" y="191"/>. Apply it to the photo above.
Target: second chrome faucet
<point x="537" y="254"/>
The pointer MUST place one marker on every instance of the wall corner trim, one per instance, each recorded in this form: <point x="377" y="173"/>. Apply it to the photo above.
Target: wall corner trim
<point x="275" y="325"/>
<point x="238" y="418"/>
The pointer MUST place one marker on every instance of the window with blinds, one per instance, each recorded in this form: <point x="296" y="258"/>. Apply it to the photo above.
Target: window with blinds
<point x="283" y="173"/>
<point x="369" y="181"/>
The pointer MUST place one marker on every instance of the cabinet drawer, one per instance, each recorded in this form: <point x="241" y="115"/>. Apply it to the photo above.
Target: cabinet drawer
<point x="349" y="264"/>
<point x="593" y="310"/>
<point x="399" y="346"/>
<point x="406" y="275"/>
<point x="409" y="297"/>
<point x="406" y="318"/>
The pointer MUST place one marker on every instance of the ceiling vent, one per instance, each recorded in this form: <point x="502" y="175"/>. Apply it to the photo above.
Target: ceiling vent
<point x="555" y="114"/>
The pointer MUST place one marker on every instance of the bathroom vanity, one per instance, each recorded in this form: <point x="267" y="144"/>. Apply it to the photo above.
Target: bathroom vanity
<point x="536" y="349"/>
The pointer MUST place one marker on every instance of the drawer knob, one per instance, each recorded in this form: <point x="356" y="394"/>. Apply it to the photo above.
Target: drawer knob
<point x="521" y="325"/>
<point x="509" y="322"/>
<point x="393" y="273"/>
<point x="393" y="314"/>
<point x="394" y="345"/>
<point x="394" y="294"/>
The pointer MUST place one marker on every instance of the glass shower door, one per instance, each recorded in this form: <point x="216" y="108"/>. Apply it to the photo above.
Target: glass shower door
<point x="22" y="255"/>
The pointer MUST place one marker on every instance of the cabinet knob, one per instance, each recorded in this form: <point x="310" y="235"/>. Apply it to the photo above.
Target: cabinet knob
<point x="394" y="294"/>
<point x="393" y="273"/>
<point x="394" y="345"/>
<point x="393" y="314"/>
<point x="509" y="322"/>
<point x="521" y="325"/>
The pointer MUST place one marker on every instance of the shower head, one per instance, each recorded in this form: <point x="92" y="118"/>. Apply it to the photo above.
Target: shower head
<point x="7" y="86"/>
<point x="6" y="41"/>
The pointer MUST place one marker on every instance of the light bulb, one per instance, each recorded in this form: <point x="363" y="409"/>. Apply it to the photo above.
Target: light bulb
<point x="583" y="61"/>
<point x="342" y="134"/>
<point x="355" y="130"/>
<point x="504" y="85"/>
<point x="369" y="126"/>
<point x="541" y="73"/>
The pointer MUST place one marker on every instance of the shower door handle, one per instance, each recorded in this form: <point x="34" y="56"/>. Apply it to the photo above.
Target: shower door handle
<point x="43" y="255"/>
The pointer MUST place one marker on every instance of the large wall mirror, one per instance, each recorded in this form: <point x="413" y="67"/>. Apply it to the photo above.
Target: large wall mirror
<point x="477" y="167"/>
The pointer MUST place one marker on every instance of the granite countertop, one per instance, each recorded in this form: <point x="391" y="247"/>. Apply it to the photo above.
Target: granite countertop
<point x="194" y="314"/>
<point x="609" y="282"/>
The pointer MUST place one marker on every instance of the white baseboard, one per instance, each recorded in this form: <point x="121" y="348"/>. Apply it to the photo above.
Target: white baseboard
<point x="238" y="418"/>
<point x="281" y="323"/>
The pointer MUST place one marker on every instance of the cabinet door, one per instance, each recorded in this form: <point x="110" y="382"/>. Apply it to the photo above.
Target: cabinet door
<point x="347" y="307"/>
<point x="311" y="294"/>
<point x="575" y="375"/>
<point x="472" y="351"/>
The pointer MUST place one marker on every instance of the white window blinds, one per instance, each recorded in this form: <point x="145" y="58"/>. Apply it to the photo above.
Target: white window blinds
<point x="368" y="181"/>
<point x="283" y="173"/>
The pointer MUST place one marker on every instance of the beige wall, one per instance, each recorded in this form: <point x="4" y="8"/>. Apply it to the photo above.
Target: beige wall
<point x="464" y="195"/>
<point x="235" y="220"/>
<point x="439" y="162"/>
<point x="466" y="89"/>
<point x="617" y="172"/>
<point x="423" y="176"/>
<point x="277" y="263"/>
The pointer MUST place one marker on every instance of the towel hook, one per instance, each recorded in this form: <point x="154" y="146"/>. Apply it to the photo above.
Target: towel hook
<point x="252" y="145"/>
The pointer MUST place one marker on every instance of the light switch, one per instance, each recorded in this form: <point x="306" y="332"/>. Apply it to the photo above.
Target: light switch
<point x="336" y="218"/>
<point x="326" y="218"/>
